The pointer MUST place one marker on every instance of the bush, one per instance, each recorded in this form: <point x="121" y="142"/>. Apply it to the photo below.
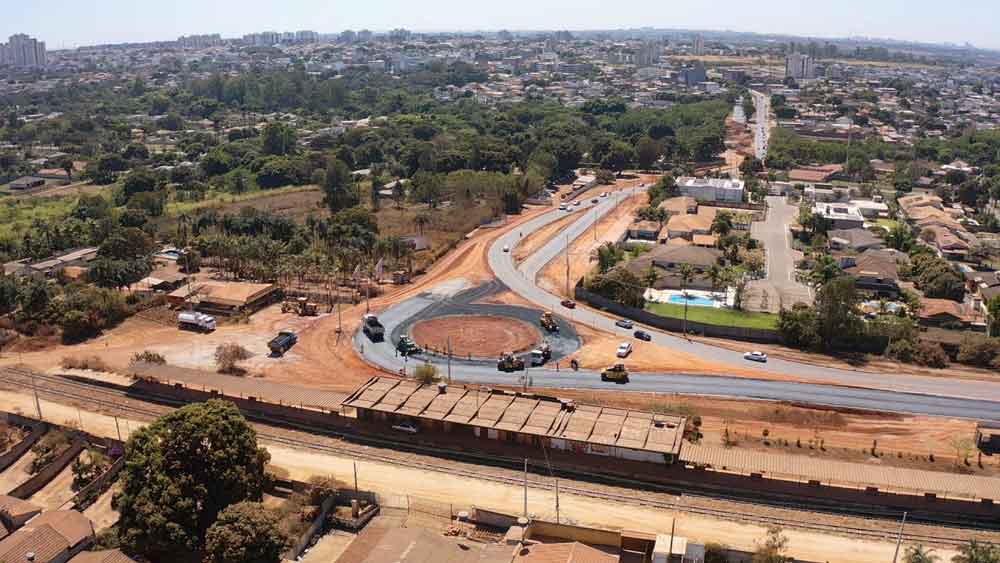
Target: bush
<point x="979" y="350"/>
<point x="85" y="362"/>
<point x="716" y="553"/>
<point x="228" y="355"/>
<point x="930" y="354"/>
<point x="426" y="374"/>
<point x="148" y="357"/>
<point x="321" y="488"/>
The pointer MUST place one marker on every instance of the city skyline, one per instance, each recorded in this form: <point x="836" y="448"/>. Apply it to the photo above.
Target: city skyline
<point x="121" y="22"/>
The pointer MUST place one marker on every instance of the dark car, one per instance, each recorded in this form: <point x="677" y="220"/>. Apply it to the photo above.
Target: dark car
<point x="623" y="323"/>
<point x="642" y="335"/>
<point x="569" y="304"/>
<point x="593" y="200"/>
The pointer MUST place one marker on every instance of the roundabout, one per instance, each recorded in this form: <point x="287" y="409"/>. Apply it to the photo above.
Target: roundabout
<point x="478" y="336"/>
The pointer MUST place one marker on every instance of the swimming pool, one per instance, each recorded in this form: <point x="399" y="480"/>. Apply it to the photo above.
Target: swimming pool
<point x="695" y="300"/>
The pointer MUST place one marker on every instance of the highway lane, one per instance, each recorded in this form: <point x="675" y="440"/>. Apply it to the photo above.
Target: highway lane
<point x="893" y="393"/>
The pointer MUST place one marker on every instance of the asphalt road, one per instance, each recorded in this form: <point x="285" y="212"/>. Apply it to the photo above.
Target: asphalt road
<point x="824" y="386"/>
<point x="780" y="281"/>
<point x="762" y="132"/>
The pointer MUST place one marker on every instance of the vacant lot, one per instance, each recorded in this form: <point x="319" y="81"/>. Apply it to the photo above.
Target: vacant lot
<point x="715" y="316"/>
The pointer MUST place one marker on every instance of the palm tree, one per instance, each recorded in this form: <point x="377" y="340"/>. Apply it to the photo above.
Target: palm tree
<point x="421" y="221"/>
<point x="919" y="554"/>
<point x="975" y="552"/>
<point x="824" y="270"/>
<point x="715" y="276"/>
<point x="687" y="274"/>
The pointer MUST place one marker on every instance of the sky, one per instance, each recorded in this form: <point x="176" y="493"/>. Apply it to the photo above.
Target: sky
<point x="72" y="23"/>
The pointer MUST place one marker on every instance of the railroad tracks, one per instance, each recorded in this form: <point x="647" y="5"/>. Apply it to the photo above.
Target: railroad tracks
<point x="876" y="525"/>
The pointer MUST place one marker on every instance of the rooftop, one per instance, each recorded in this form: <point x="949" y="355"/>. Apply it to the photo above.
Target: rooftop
<point x="524" y="413"/>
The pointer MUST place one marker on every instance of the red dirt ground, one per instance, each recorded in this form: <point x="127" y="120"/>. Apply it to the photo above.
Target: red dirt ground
<point x="480" y="336"/>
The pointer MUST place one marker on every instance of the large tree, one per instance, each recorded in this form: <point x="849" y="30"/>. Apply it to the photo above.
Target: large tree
<point x="180" y="472"/>
<point x="339" y="189"/>
<point x="837" y="318"/>
<point x="245" y="533"/>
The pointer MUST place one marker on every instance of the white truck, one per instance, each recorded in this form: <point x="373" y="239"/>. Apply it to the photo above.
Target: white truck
<point x="191" y="320"/>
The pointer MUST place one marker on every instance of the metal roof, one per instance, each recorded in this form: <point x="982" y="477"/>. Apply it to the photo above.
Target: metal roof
<point x="842" y="473"/>
<point x="524" y="413"/>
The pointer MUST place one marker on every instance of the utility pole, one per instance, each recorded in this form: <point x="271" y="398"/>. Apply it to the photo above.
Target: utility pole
<point x="899" y="538"/>
<point x="525" y="487"/>
<point x="118" y="429"/>
<point x="355" y="479"/>
<point x="38" y="404"/>
<point x="567" y="266"/>
<point x="449" y="360"/>
<point x="557" y="500"/>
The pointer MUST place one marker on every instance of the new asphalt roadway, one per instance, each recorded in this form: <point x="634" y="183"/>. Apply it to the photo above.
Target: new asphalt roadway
<point x="903" y="393"/>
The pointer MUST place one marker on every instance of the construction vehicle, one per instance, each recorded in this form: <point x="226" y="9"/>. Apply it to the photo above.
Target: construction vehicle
<point x="282" y="343"/>
<point x="548" y="322"/>
<point x="407" y="347"/>
<point x="541" y="354"/>
<point x="191" y="320"/>
<point x="616" y="373"/>
<point x="301" y="307"/>
<point x="509" y="363"/>
<point x="372" y="328"/>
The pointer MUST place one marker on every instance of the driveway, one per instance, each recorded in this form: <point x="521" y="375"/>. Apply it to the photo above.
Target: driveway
<point x="779" y="288"/>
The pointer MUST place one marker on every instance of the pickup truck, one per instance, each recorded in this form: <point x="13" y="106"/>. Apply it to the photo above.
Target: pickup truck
<point x="282" y="343"/>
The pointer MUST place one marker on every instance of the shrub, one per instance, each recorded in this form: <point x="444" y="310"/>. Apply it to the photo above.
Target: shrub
<point x="978" y="350"/>
<point x="148" y="357"/>
<point x="227" y="356"/>
<point x="320" y="488"/>
<point x="930" y="354"/>
<point x="426" y="374"/>
<point x="85" y="362"/>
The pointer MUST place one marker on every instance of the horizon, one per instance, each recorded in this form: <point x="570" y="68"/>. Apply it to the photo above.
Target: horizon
<point x="916" y="21"/>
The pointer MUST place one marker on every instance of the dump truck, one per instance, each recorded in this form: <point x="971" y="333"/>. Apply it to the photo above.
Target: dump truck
<point x="301" y="307"/>
<point x="616" y="373"/>
<point x="200" y="322"/>
<point x="282" y="343"/>
<point x="407" y="347"/>
<point x="541" y="354"/>
<point x="509" y="363"/>
<point x="372" y="328"/>
<point x="548" y="322"/>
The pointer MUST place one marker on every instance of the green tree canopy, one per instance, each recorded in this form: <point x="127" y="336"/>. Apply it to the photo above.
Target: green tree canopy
<point x="245" y="532"/>
<point x="181" y="471"/>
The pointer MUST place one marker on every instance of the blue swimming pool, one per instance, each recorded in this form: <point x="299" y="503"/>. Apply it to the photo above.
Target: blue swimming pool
<point x="694" y="300"/>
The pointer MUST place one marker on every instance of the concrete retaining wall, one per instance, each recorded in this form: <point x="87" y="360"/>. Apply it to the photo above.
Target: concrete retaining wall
<point x="37" y="431"/>
<point x="42" y="478"/>
<point x="306" y="538"/>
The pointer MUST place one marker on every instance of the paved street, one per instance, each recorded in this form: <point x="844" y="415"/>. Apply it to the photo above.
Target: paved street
<point x="779" y="288"/>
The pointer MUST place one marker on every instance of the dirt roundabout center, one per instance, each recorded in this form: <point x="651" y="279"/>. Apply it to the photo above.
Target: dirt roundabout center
<point x="481" y="336"/>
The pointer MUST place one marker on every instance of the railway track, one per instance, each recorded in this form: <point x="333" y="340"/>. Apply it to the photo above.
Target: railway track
<point x="111" y="400"/>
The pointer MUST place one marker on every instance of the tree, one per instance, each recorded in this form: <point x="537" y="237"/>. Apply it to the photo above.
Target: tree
<point x="339" y="189"/>
<point x="216" y="162"/>
<point x="180" y="472"/>
<point x="398" y="193"/>
<point x="976" y="552"/>
<point x="245" y="532"/>
<point x="919" y="554"/>
<point x="900" y="237"/>
<point x="824" y="269"/>
<point x="374" y="194"/>
<point x="773" y="549"/>
<point x="722" y="224"/>
<point x="619" y="156"/>
<point x="421" y="220"/>
<point x="797" y="326"/>
<point x="993" y="308"/>
<point x="619" y="285"/>
<point x="647" y="151"/>
<point x="227" y="356"/>
<point x="686" y="272"/>
<point x="837" y="318"/>
<point x="278" y="139"/>
<point x="426" y="374"/>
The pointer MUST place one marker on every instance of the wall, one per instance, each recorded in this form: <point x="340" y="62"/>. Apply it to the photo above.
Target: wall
<point x="42" y="478"/>
<point x="573" y="533"/>
<point x="306" y="538"/>
<point x="15" y="453"/>
<point x="760" y="335"/>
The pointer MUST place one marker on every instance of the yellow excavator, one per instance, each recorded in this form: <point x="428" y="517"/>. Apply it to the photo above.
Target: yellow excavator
<point x="301" y="307"/>
<point x="616" y="373"/>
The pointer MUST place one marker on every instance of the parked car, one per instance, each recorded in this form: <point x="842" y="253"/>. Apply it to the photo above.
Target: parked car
<point x="569" y="303"/>
<point x="506" y="248"/>
<point x="407" y="427"/>
<point x="624" y="349"/>
<point x="642" y="335"/>
<point x="756" y="356"/>
<point x="624" y="323"/>
<point x="604" y="194"/>
<point x="576" y="203"/>
<point x="595" y="200"/>
<point x="563" y="207"/>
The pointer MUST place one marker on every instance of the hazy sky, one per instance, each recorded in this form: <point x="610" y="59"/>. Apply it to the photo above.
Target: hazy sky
<point x="70" y="23"/>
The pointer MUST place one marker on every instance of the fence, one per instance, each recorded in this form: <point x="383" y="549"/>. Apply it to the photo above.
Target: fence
<point x="92" y="490"/>
<point x="760" y="335"/>
<point x="37" y="431"/>
<point x="42" y="478"/>
<point x="306" y="538"/>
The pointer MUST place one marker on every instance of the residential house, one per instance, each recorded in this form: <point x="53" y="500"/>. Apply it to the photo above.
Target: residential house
<point x="15" y="513"/>
<point x="106" y="556"/>
<point x="53" y="537"/>
<point x="944" y="312"/>
<point x="27" y="183"/>
<point x="644" y="230"/>
<point x="840" y="215"/>
<point x="52" y="266"/>
<point x="874" y="271"/>
<point x="815" y="174"/>
<point x="712" y="189"/>
<point x="687" y="226"/>
<point x="671" y="258"/>
<point x="857" y="240"/>
<point x="680" y="205"/>
<point x="871" y="209"/>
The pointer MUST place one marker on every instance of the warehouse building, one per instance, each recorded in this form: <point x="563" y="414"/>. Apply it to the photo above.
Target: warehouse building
<point x="534" y="420"/>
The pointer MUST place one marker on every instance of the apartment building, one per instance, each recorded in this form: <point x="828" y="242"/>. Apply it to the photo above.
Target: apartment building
<point x="22" y="51"/>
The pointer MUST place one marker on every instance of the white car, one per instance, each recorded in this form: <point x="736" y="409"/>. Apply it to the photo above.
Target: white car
<point x="407" y="427"/>
<point x="576" y="203"/>
<point x="604" y="194"/>
<point x="506" y="248"/>
<point x="563" y="207"/>
<point x="624" y="349"/>
<point x="756" y="356"/>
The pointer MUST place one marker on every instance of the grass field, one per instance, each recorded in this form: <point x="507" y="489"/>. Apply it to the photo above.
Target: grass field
<point x="715" y="316"/>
